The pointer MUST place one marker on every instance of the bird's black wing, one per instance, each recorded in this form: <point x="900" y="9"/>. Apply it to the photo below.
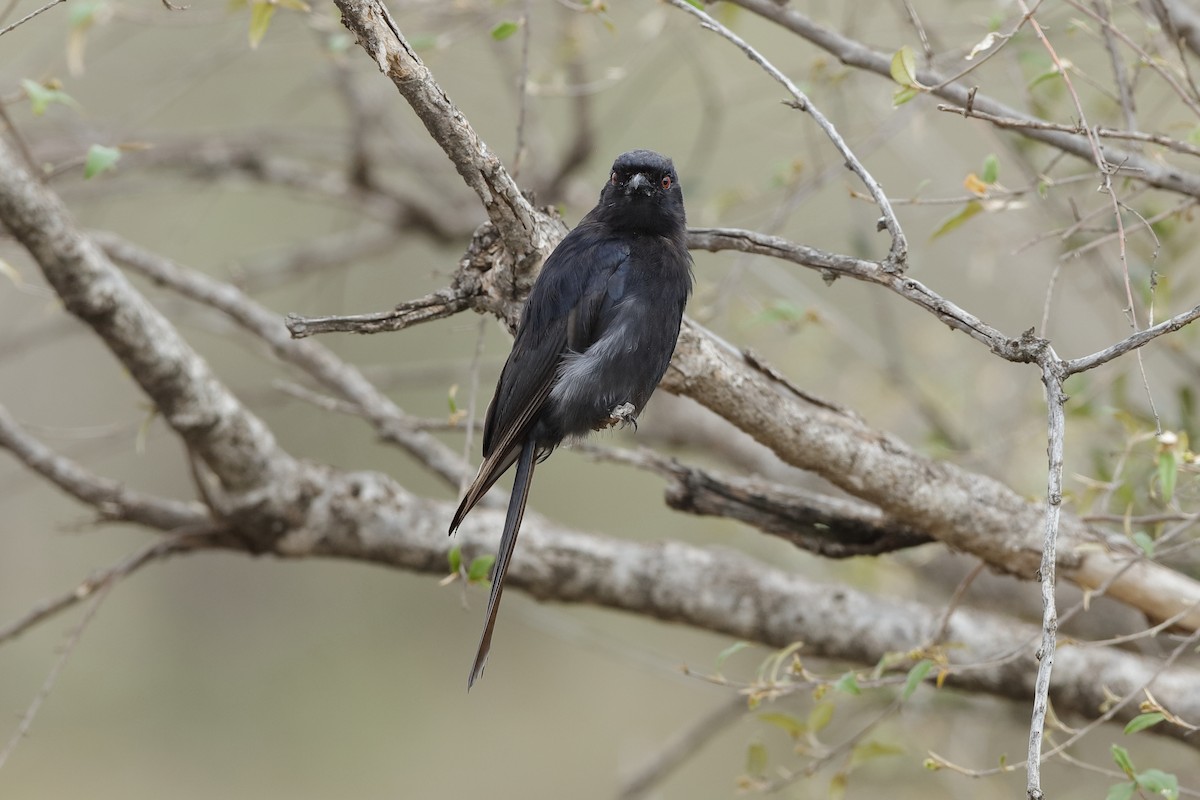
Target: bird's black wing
<point x="559" y="317"/>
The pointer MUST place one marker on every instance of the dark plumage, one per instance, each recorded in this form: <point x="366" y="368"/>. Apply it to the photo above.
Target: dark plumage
<point x="595" y="338"/>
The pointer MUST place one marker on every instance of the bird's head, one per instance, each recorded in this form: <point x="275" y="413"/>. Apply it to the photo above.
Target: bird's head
<point x="643" y="195"/>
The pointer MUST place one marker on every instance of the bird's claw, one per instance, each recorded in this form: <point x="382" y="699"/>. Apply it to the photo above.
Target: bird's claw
<point x="624" y="414"/>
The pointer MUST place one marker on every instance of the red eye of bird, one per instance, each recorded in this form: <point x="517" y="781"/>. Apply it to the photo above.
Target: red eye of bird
<point x="666" y="181"/>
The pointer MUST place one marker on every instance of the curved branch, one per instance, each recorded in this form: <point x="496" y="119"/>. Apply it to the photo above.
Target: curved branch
<point x="235" y="444"/>
<point x="527" y="235"/>
<point x="110" y="498"/>
<point x="855" y="54"/>
<point x="313" y="357"/>
<point x="367" y="516"/>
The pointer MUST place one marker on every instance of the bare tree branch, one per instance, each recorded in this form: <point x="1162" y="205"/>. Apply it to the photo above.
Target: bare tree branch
<point x="111" y="499"/>
<point x="856" y="54"/>
<point x="314" y="358"/>
<point x="527" y="236"/>
<point x="234" y="443"/>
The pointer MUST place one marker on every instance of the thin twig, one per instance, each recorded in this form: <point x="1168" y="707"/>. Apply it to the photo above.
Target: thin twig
<point x="680" y="747"/>
<point x="31" y="15"/>
<point x="522" y="89"/>
<point x="1133" y="342"/>
<point x="52" y="677"/>
<point x="897" y="260"/>
<point x="180" y="542"/>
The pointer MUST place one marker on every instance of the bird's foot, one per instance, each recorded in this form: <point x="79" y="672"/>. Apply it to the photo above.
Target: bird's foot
<point x="624" y="414"/>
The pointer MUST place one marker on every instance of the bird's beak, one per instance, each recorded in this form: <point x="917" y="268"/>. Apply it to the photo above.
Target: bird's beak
<point x="638" y="183"/>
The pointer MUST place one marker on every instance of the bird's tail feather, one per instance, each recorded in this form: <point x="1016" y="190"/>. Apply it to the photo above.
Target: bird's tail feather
<point x="489" y="472"/>
<point x="508" y="540"/>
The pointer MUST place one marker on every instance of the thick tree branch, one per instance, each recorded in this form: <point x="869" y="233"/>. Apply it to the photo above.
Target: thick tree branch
<point x="366" y="516"/>
<point x="528" y="236"/>
<point x="234" y="443"/>
<point x="828" y="526"/>
<point x="110" y="498"/>
<point x="313" y="357"/>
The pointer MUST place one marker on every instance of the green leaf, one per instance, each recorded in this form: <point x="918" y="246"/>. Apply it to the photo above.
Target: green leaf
<point x="451" y="399"/>
<point x="756" y="759"/>
<point x="455" y="557"/>
<point x="915" y="676"/>
<point x="1121" y="758"/>
<point x="1168" y="470"/>
<point x="1159" y="782"/>
<point x="1121" y="791"/>
<point x="100" y="159"/>
<point x="972" y="208"/>
<point x="696" y="3"/>
<point x="1143" y="721"/>
<point x="260" y="19"/>
<point x="505" y="29"/>
<point x="82" y="15"/>
<point x="1049" y="74"/>
<point x="792" y="726"/>
<point x="736" y="647"/>
<point x="837" y="786"/>
<point x="903" y="95"/>
<point x="40" y="97"/>
<point x="820" y="716"/>
<point x="478" y="571"/>
<point x="1143" y="540"/>
<point x="848" y="683"/>
<point x="904" y="67"/>
<point x="872" y="749"/>
<point x="991" y="168"/>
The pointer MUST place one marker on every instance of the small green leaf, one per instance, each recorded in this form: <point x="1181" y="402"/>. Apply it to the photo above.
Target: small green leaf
<point x="1143" y="721"/>
<point x="455" y="557"/>
<point x="1168" y="470"/>
<point x="872" y="749"/>
<point x="1159" y="782"/>
<point x="820" y="716"/>
<point x="915" y="676"/>
<point x="505" y="29"/>
<point x="1049" y="74"/>
<point x="991" y="168"/>
<point x="736" y="647"/>
<point x="756" y="759"/>
<point x="82" y="15"/>
<point x="40" y="97"/>
<point x="478" y="571"/>
<point x="451" y="399"/>
<point x="696" y="3"/>
<point x="953" y="221"/>
<point x="1121" y="791"/>
<point x="1143" y="540"/>
<point x="261" y="12"/>
<point x="904" y="67"/>
<point x="785" y="722"/>
<point x="848" y="683"/>
<point x="100" y="159"/>
<point x="837" y="786"/>
<point x="903" y="95"/>
<point x="1121" y="759"/>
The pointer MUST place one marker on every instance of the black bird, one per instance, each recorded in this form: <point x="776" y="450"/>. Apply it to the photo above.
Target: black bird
<point x="595" y="338"/>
